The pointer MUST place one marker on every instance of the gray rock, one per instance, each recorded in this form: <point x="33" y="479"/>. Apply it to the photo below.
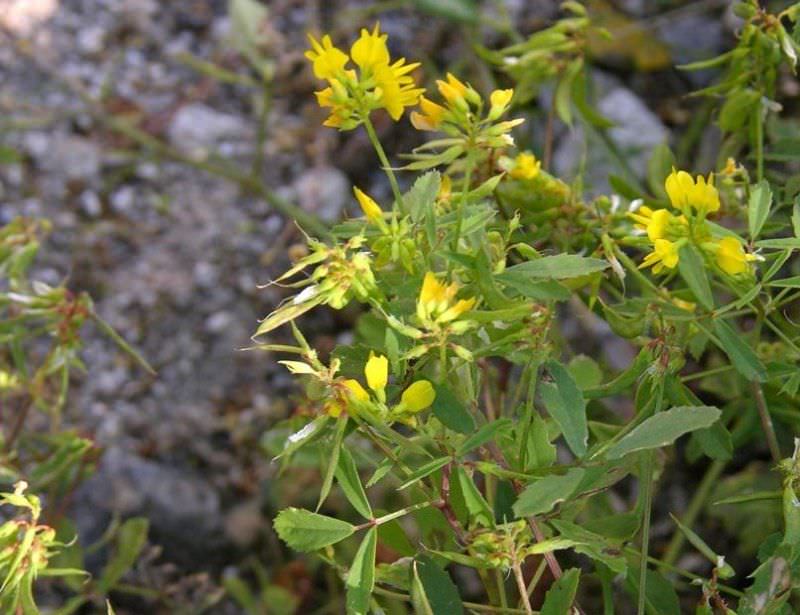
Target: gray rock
<point x="90" y="203"/>
<point x="692" y="38"/>
<point x="197" y="129"/>
<point x="183" y="508"/>
<point x="324" y="190"/>
<point x="67" y="156"/>
<point x="636" y="132"/>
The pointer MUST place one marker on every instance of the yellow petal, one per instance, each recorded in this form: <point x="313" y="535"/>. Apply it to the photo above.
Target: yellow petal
<point x="368" y="205"/>
<point x="369" y="50"/>
<point x="418" y="396"/>
<point x="377" y="372"/>
<point x="355" y="389"/>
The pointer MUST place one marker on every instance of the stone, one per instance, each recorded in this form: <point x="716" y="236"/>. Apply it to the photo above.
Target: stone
<point x="323" y="190"/>
<point x="636" y="132"/>
<point x="196" y="129"/>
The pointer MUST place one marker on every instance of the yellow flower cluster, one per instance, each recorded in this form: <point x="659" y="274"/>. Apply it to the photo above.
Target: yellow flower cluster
<point x="378" y="83"/>
<point x="668" y="232"/>
<point x="436" y="304"/>
<point x="463" y="107"/>
<point x="350" y="394"/>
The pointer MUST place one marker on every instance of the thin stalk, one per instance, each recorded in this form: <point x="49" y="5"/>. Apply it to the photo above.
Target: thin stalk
<point x="501" y="588"/>
<point x="646" y="481"/>
<point x="759" y="120"/>
<point x="373" y="137"/>
<point x="537" y="576"/>
<point x="766" y="422"/>
<point x="485" y="608"/>
<point x="692" y="511"/>
<point x="462" y="202"/>
<point x="523" y="591"/>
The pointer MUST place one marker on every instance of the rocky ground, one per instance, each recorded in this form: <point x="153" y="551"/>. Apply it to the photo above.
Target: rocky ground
<point x="173" y="254"/>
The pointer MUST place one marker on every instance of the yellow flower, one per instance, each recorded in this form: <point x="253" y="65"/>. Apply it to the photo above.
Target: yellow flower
<point x="368" y="205"/>
<point x="664" y="254"/>
<point x="436" y="302"/>
<point x="434" y="296"/>
<point x="340" y="113"/>
<point x="418" y="396"/>
<point x="451" y="90"/>
<point x="431" y="116"/>
<point x="731" y="257"/>
<point x="377" y="372"/>
<point x="525" y="166"/>
<point x="370" y="51"/>
<point x="346" y="391"/>
<point x="461" y="306"/>
<point x="684" y="192"/>
<point x="396" y="87"/>
<point x="328" y="61"/>
<point x="730" y="167"/>
<point x="499" y="100"/>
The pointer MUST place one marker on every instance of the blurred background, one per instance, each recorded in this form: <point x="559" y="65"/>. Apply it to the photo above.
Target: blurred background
<point x="169" y="143"/>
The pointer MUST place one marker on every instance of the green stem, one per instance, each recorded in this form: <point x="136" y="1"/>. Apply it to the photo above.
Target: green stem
<point x="398" y="513"/>
<point x="757" y="117"/>
<point x="766" y="422"/>
<point x="646" y="482"/>
<point x="463" y="200"/>
<point x="692" y="511"/>
<point x="373" y="137"/>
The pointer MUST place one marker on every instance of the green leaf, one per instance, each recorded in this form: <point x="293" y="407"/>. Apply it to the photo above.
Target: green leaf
<point x="558" y="267"/>
<point x="793" y="282"/>
<point x="658" y="167"/>
<point x="422" y="195"/>
<point x="664" y="428"/>
<point x="304" y="530"/>
<point x="542" y="495"/>
<point x="361" y="578"/>
<point x="724" y="570"/>
<point x="744" y="358"/>
<point x="331" y="460"/>
<point x="483" y="435"/>
<point x="541" y="290"/>
<point x="465" y="11"/>
<point x="660" y="596"/>
<point x="349" y="481"/>
<point x="541" y="452"/>
<point x="737" y="109"/>
<point x="451" y="412"/>
<point x="796" y="216"/>
<point x="566" y="405"/>
<point x="562" y="98"/>
<point x="693" y="270"/>
<point x="130" y="541"/>
<point x="758" y="207"/>
<point x="433" y="589"/>
<point x="561" y="595"/>
<point x="423" y="471"/>
<point x="477" y="507"/>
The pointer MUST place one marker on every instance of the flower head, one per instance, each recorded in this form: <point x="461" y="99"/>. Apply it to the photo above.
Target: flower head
<point x="526" y="166"/>
<point x="327" y="61"/>
<point x="436" y="301"/>
<point x="377" y="83"/>
<point x="376" y="372"/>
<point x="452" y="90"/>
<point x="431" y="116"/>
<point x="684" y="192"/>
<point x="418" y="396"/>
<point x="499" y="100"/>
<point x="731" y="257"/>
<point x="396" y="88"/>
<point x="664" y="255"/>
